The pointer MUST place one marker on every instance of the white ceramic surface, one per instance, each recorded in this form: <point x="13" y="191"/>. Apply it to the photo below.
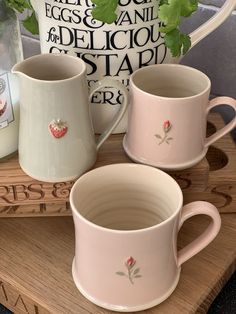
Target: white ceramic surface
<point x="127" y="219"/>
<point x="112" y="50"/>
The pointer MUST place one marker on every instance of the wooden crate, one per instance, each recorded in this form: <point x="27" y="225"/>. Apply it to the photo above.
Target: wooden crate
<point x="213" y="179"/>
<point x="221" y="185"/>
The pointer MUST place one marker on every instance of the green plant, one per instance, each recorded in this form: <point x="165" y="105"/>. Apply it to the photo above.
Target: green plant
<point x="30" y="22"/>
<point x="170" y="14"/>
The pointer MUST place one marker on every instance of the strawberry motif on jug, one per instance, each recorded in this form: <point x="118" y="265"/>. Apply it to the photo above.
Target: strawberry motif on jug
<point x="58" y="128"/>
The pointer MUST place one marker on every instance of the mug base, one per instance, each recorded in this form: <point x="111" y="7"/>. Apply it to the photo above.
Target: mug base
<point x="180" y="166"/>
<point x="123" y="308"/>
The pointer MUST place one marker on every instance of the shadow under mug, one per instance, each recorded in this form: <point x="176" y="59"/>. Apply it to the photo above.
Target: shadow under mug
<point x="127" y="218"/>
<point x="167" y="116"/>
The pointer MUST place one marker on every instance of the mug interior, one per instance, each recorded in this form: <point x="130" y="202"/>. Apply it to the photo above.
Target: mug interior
<point x="52" y="67"/>
<point x="126" y="197"/>
<point x="171" y="81"/>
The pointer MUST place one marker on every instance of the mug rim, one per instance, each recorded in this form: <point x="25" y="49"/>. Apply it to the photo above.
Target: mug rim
<point x="171" y="65"/>
<point x="117" y="231"/>
<point x="14" y="69"/>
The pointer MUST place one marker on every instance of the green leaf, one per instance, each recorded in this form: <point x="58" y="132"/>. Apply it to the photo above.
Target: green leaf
<point x="31" y="24"/>
<point x="105" y="10"/>
<point x="136" y="271"/>
<point x="120" y="273"/>
<point x="186" y="43"/>
<point x="169" y="14"/>
<point x="163" y="2"/>
<point x="173" y="42"/>
<point x="171" y="11"/>
<point x="137" y="276"/>
<point x="158" y="136"/>
<point x="18" y="5"/>
<point x="188" y="7"/>
<point x="177" y="42"/>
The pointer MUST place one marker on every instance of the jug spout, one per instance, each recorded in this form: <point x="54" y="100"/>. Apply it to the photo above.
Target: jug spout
<point x="18" y="69"/>
<point x="53" y="68"/>
<point x="30" y="68"/>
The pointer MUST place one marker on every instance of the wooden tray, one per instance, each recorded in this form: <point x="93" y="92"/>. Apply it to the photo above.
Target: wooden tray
<point x="213" y="179"/>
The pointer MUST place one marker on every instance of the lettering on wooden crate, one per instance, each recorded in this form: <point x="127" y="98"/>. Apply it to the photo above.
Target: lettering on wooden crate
<point x="36" y="309"/>
<point x="226" y="198"/>
<point x="11" y="194"/>
<point x="20" y="192"/>
<point x="62" y="190"/>
<point x="19" y="301"/>
<point x="9" y="209"/>
<point x="42" y="208"/>
<point x="3" y="291"/>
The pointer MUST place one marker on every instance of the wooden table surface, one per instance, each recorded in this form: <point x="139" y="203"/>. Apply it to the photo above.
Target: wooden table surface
<point x="36" y="256"/>
<point x="35" y="268"/>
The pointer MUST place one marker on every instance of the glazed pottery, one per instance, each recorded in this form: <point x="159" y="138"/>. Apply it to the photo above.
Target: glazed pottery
<point x="168" y="116"/>
<point x="111" y="50"/>
<point x="127" y="218"/>
<point x="10" y="52"/>
<point x="56" y="141"/>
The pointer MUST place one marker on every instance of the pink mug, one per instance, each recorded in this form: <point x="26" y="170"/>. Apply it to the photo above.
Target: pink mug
<point x="127" y="218"/>
<point x="168" y="116"/>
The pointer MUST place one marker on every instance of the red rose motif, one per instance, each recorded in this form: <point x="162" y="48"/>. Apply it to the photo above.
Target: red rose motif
<point x="165" y="138"/>
<point x="132" y="272"/>
<point x="130" y="261"/>
<point x="167" y="126"/>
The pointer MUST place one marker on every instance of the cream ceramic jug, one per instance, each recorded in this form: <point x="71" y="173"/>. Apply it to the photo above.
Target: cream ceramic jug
<point x="56" y="138"/>
<point x="114" y="50"/>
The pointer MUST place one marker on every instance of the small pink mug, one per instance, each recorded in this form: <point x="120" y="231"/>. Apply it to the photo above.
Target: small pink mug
<point x="127" y="218"/>
<point x="168" y="116"/>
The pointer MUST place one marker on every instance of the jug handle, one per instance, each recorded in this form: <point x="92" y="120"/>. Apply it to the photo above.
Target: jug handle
<point x="34" y="5"/>
<point x="209" y="26"/>
<point x="109" y="82"/>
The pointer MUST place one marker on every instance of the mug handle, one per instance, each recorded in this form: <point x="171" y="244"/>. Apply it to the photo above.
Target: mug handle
<point x="108" y="82"/>
<point x="226" y="129"/>
<point x="209" y="26"/>
<point x="190" y="210"/>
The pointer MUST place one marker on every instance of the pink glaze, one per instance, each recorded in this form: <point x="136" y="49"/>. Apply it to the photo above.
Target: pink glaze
<point x="132" y="269"/>
<point x="167" y="129"/>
